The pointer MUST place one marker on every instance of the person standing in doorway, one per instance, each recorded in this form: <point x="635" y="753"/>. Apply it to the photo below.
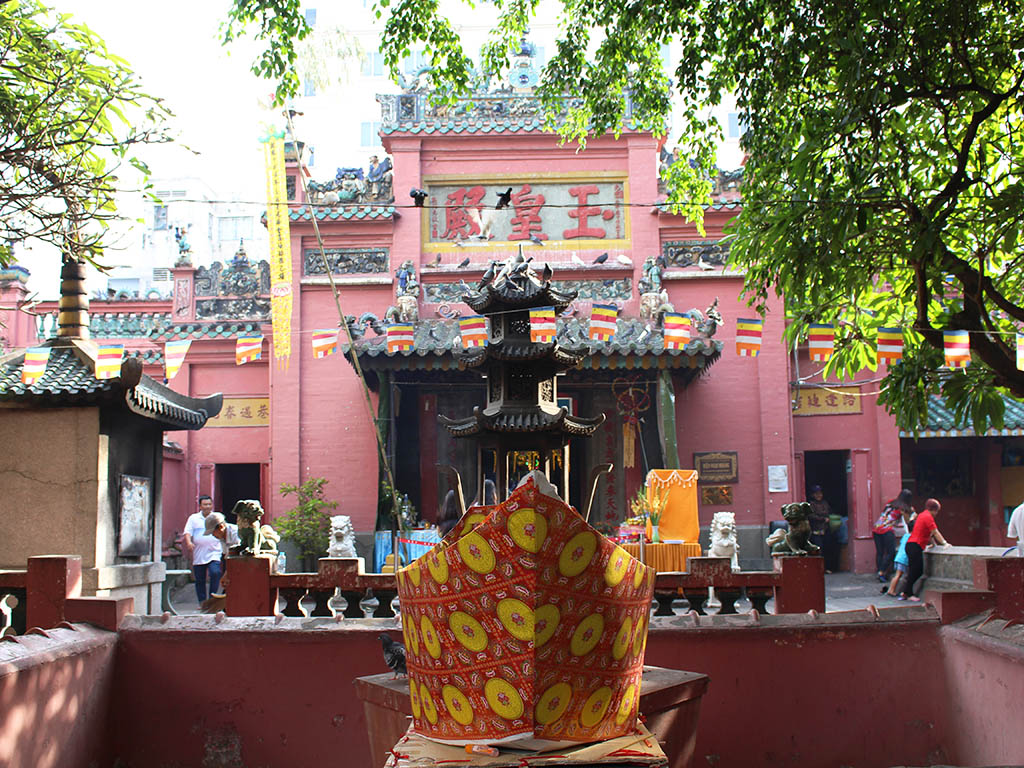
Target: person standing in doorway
<point x="885" y="539"/>
<point x="821" y="530"/>
<point x="925" y="532"/>
<point x="203" y="550"/>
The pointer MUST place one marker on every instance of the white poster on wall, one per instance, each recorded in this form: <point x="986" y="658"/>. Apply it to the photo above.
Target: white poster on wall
<point x="778" y="478"/>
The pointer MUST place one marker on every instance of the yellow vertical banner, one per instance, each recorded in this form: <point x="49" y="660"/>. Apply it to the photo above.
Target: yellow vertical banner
<point x="280" y="249"/>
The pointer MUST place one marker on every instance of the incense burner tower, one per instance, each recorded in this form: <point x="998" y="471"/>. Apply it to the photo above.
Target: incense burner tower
<point x="522" y="426"/>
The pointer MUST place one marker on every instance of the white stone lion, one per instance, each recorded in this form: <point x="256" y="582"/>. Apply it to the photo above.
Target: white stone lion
<point x="723" y="538"/>
<point x="343" y="538"/>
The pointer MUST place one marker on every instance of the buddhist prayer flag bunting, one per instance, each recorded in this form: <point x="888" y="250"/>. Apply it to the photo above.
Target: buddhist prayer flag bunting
<point x="958" y="348"/>
<point x="108" y="361"/>
<point x="248" y="348"/>
<point x="325" y="343"/>
<point x="677" y="330"/>
<point x="473" y="330"/>
<point x="1020" y="351"/>
<point x="890" y="345"/>
<point x="602" y="321"/>
<point x="35" y="364"/>
<point x="542" y="324"/>
<point x="821" y="338"/>
<point x="748" y="336"/>
<point x="174" y="356"/>
<point x="399" y="337"/>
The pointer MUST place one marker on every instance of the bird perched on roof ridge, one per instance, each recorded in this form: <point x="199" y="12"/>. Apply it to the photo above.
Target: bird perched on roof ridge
<point x="545" y="276"/>
<point x="624" y="260"/>
<point x="464" y="263"/>
<point x="488" y="275"/>
<point x="418" y="196"/>
<point x="394" y="655"/>
<point x="504" y="198"/>
<point x="577" y="260"/>
<point x="536" y="240"/>
<point x="602" y="258"/>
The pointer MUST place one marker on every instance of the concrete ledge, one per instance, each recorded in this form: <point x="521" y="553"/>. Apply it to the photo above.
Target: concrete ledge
<point x="39" y="647"/>
<point x="953" y="604"/>
<point x="121" y="576"/>
<point x="105" y="612"/>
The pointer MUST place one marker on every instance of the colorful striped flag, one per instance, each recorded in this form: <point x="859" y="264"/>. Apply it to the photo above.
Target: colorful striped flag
<point x="602" y="321"/>
<point x="821" y="339"/>
<point x="325" y="343"/>
<point x="108" y="361"/>
<point x="248" y="348"/>
<point x="958" y="348"/>
<point x="890" y="345"/>
<point x="542" y="324"/>
<point x="1020" y="351"/>
<point x="473" y="330"/>
<point x="399" y="337"/>
<point x="35" y="364"/>
<point x="677" y="330"/>
<point x="174" y="356"/>
<point x="748" y="336"/>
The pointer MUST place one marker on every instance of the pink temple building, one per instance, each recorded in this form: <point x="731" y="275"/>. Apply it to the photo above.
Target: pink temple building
<point x="760" y="429"/>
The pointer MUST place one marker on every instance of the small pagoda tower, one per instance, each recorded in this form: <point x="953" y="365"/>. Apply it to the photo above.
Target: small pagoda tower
<point x="522" y="427"/>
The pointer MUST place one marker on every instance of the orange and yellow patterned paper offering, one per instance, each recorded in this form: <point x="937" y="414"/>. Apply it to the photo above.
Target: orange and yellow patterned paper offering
<point x="530" y="625"/>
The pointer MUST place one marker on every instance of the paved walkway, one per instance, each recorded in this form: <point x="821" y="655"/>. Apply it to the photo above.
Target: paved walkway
<point x="843" y="592"/>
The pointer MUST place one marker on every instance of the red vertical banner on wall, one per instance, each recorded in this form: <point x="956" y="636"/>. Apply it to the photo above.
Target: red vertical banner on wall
<point x="280" y="249"/>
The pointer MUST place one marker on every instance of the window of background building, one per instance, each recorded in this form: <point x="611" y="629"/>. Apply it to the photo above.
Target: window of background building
<point x="234" y="227"/>
<point x="735" y="130"/>
<point x="373" y="64"/>
<point x="159" y="217"/>
<point x="414" y="62"/>
<point x="370" y="134"/>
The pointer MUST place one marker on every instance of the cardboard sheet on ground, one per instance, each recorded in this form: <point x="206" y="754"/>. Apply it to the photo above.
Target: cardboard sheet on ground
<point x="638" y="748"/>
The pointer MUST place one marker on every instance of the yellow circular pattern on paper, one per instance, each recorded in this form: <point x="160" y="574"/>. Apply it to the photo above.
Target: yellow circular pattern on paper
<point x="438" y="566"/>
<point x="618" y="564"/>
<point x="468" y="631"/>
<point x="517" y="618"/>
<point x="626" y="705"/>
<point x="412" y="637"/>
<point x="503" y="698"/>
<point x="413" y="572"/>
<point x="638" y="576"/>
<point x="527" y="529"/>
<point x="552" y="703"/>
<point x="587" y="635"/>
<point x="414" y="699"/>
<point x="457" y="705"/>
<point x="427" y="702"/>
<point x="622" y="638"/>
<point x="595" y="706"/>
<point x="640" y="639"/>
<point x="430" y="639"/>
<point x="476" y="553"/>
<point x="577" y="553"/>
<point x="472" y="521"/>
<point x="545" y="622"/>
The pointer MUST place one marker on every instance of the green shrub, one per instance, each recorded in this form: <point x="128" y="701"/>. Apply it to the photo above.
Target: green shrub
<point x="307" y="525"/>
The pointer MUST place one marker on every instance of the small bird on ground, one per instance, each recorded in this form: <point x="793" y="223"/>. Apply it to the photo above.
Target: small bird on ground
<point x="577" y="260"/>
<point x="602" y="258"/>
<point x="418" y="196"/>
<point x="504" y="198"/>
<point x="464" y="263"/>
<point x="624" y="260"/>
<point x="394" y="655"/>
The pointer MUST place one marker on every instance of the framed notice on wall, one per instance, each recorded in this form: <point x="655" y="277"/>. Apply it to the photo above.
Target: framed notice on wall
<point x="714" y="468"/>
<point x="135" y="506"/>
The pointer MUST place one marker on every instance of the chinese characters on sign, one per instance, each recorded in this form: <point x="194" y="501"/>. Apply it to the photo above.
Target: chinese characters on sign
<point x="544" y="211"/>
<point x="717" y="467"/>
<point x="819" y="401"/>
<point x="243" y="412"/>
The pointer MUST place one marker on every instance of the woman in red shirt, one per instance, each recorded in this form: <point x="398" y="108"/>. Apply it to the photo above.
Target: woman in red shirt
<point x="925" y="532"/>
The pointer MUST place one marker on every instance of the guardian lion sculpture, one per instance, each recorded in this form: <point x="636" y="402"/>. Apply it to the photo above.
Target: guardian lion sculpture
<point x="343" y="538"/>
<point x="723" y="538"/>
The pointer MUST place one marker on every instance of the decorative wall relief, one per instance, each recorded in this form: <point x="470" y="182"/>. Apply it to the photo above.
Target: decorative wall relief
<point x="182" y="296"/>
<point x="621" y="289"/>
<point x="233" y="309"/>
<point x="346" y="261"/>
<point x="239" y="278"/>
<point x="134" y="507"/>
<point x="687" y="253"/>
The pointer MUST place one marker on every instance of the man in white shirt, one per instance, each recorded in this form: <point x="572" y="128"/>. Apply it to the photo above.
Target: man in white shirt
<point x="203" y="550"/>
<point x="1015" y="529"/>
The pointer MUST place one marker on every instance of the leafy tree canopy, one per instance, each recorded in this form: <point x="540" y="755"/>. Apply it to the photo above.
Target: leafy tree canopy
<point x="71" y="115"/>
<point x="884" y="141"/>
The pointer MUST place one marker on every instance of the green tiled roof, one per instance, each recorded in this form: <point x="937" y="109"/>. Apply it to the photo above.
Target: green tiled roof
<point x="211" y="330"/>
<point x="66" y="375"/>
<point x="942" y="421"/>
<point x="433" y="339"/>
<point x="344" y="213"/>
<point x="507" y="125"/>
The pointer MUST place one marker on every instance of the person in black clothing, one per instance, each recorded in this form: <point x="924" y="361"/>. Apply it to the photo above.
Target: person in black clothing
<point x="822" y="533"/>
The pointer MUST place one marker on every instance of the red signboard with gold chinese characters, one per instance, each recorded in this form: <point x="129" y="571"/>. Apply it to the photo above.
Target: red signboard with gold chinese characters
<point x="529" y="625"/>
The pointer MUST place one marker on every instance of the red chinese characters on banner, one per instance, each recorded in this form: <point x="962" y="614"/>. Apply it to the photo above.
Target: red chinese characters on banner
<point x="459" y="224"/>
<point x="583" y="212"/>
<point x="526" y="224"/>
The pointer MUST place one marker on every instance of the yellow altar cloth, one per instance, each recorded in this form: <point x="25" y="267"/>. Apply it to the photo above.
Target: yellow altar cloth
<point x="679" y="520"/>
<point x="665" y="557"/>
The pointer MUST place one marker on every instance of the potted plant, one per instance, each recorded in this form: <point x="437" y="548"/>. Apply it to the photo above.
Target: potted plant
<point x="307" y="525"/>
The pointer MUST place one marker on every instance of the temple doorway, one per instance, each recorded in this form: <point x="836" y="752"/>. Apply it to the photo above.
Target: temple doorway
<point x="235" y="482"/>
<point x="830" y="470"/>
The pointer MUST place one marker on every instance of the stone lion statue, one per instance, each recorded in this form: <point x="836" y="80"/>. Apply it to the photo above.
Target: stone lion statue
<point x="797" y="540"/>
<point x="343" y="538"/>
<point x="723" y="538"/>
